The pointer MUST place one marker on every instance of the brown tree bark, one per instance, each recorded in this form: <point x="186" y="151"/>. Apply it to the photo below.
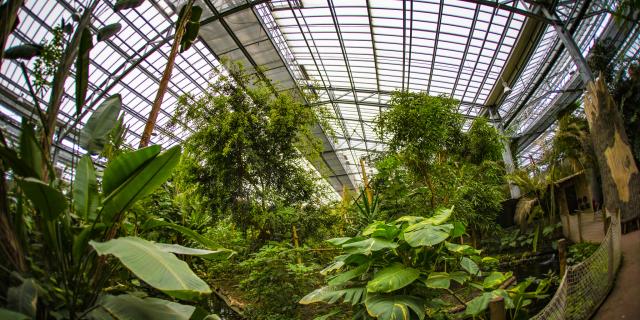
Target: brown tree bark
<point x="618" y="171"/>
<point x="166" y="76"/>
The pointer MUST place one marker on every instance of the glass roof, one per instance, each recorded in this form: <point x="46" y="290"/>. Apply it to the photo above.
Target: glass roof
<point x="130" y="63"/>
<point x="352" y="53"/>
<point x="355" y="53"/>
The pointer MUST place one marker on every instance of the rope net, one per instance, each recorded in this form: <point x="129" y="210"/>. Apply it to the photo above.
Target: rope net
<point x="585" y="285"/>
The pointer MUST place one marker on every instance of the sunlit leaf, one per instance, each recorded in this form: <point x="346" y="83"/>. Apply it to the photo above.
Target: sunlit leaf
<point x="396" y="307"/>
<point x="160" y="269"/>
<point x="426" y="234"/>
<point x="438" y="280"/>
<point x="393" y="277"/>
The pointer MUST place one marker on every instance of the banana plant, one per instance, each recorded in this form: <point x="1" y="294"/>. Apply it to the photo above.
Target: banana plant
<point x="73" y="252"/>
<point x="399" y="269"/>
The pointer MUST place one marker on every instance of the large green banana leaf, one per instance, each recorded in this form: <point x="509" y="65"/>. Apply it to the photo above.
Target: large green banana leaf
<point x="130" y="307"/>
<point x="49" y="201"/>
<point x="30" y="152"/>
<point x="124" y="166"/>
<point x="85" y="189"/>
<point x="150" y="176"/>
<point x="23" y="298"/>
<point x="160" y="269"/>
<point x="95" y="132"/>
<point x="219" y="254"/>
<point x="331" y="294"/>
<point x="187" y="232"/>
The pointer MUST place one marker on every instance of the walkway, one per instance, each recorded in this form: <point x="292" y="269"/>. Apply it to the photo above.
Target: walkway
<point x="624" y="300"/>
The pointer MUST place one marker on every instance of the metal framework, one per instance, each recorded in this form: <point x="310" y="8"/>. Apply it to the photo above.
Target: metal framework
<point x="352" y="53"/>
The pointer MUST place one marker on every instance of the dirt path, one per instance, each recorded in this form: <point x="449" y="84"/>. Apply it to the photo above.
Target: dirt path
<point x="624" y="300"/>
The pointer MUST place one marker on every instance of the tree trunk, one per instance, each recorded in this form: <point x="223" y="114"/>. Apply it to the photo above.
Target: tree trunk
<point x="166" y="76"/>
<point x="618" y="170"/>
<point x="8" y="17"/>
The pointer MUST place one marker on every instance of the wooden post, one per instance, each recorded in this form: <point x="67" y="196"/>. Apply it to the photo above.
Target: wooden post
<point x="607" y="223"/>
<point x="496" y="309"/>
<point x="294" y="235"/>
<point x="562" y="255"/>
<point x="580" y="226"/>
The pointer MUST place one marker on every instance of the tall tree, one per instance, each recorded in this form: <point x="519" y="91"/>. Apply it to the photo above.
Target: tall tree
<point x="245" y="155"/>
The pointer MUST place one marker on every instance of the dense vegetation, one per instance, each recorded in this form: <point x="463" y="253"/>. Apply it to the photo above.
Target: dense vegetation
<point x="236" y="216"/>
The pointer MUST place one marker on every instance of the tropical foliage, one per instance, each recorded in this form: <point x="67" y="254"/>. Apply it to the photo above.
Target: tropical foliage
<point x="432" y="160"/>
<point x="411" y="268"/>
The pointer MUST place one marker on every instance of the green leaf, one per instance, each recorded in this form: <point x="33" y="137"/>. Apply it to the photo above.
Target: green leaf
<point x="23" y="51"/>
<point x="187" y="232"/>
<point x="438" y="280"/>
<point x="49" y="201"/>
<point x="338" y="241"/>
<point x="461" y="248"/>
<point x="82" y="69"/>
<point x="108" y="31"/>
<point x="30" y="152"/>
<point x="397" y="307"/>
<point x="330" y="294"/>
<point x="192" y="28"/>
<point x="219" y="254"/>
<point x="426" y="234"/>
<point x="126" y="4"/>
<point x="393" y="277"/>
<point x="81" y="240"/>
<point x="459" y="276"/>
<point x="335" y="265"/>
<point x="440" y="216"/>
<point x="19" y="167"/>
<point x="23" y="298"/>
<point x="469" y="266"/>
<point x="381" y="230"/>
<point x="126" y="307"/>
<point x="495" y="279"/>
<point x="94" y="134"/>
<point x="143" y="182"/>
<point x="410" y="219"/>
<point x="160" y="269"/>
<point x="458" y="229"/>
<point x="508" y="302"/>
<point x="85" y="189"/>
<point x="6" y="314"/>
<point x="348" y="275"/>
<point x="478" y="304"/>
<point x="124" y="166"/>
<point x="370" y="245"/>
<point x="328" y="315"/>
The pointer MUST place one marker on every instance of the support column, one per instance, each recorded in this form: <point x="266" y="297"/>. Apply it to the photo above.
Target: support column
<point x="507" y="156"/>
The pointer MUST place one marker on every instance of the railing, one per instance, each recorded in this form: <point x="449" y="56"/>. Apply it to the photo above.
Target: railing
<point x="584" y="286"/>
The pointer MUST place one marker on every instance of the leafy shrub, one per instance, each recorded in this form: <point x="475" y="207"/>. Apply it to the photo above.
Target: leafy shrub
<point x="407" y="269"/>
<point x="275" y="282"/>
<point x="580" y="251"/>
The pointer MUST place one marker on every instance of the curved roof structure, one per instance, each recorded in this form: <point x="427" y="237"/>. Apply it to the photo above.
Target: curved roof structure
<point x="501" y="59"/>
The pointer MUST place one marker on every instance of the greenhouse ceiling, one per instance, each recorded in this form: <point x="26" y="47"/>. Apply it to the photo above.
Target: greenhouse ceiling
<point x="500" y="59"/>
